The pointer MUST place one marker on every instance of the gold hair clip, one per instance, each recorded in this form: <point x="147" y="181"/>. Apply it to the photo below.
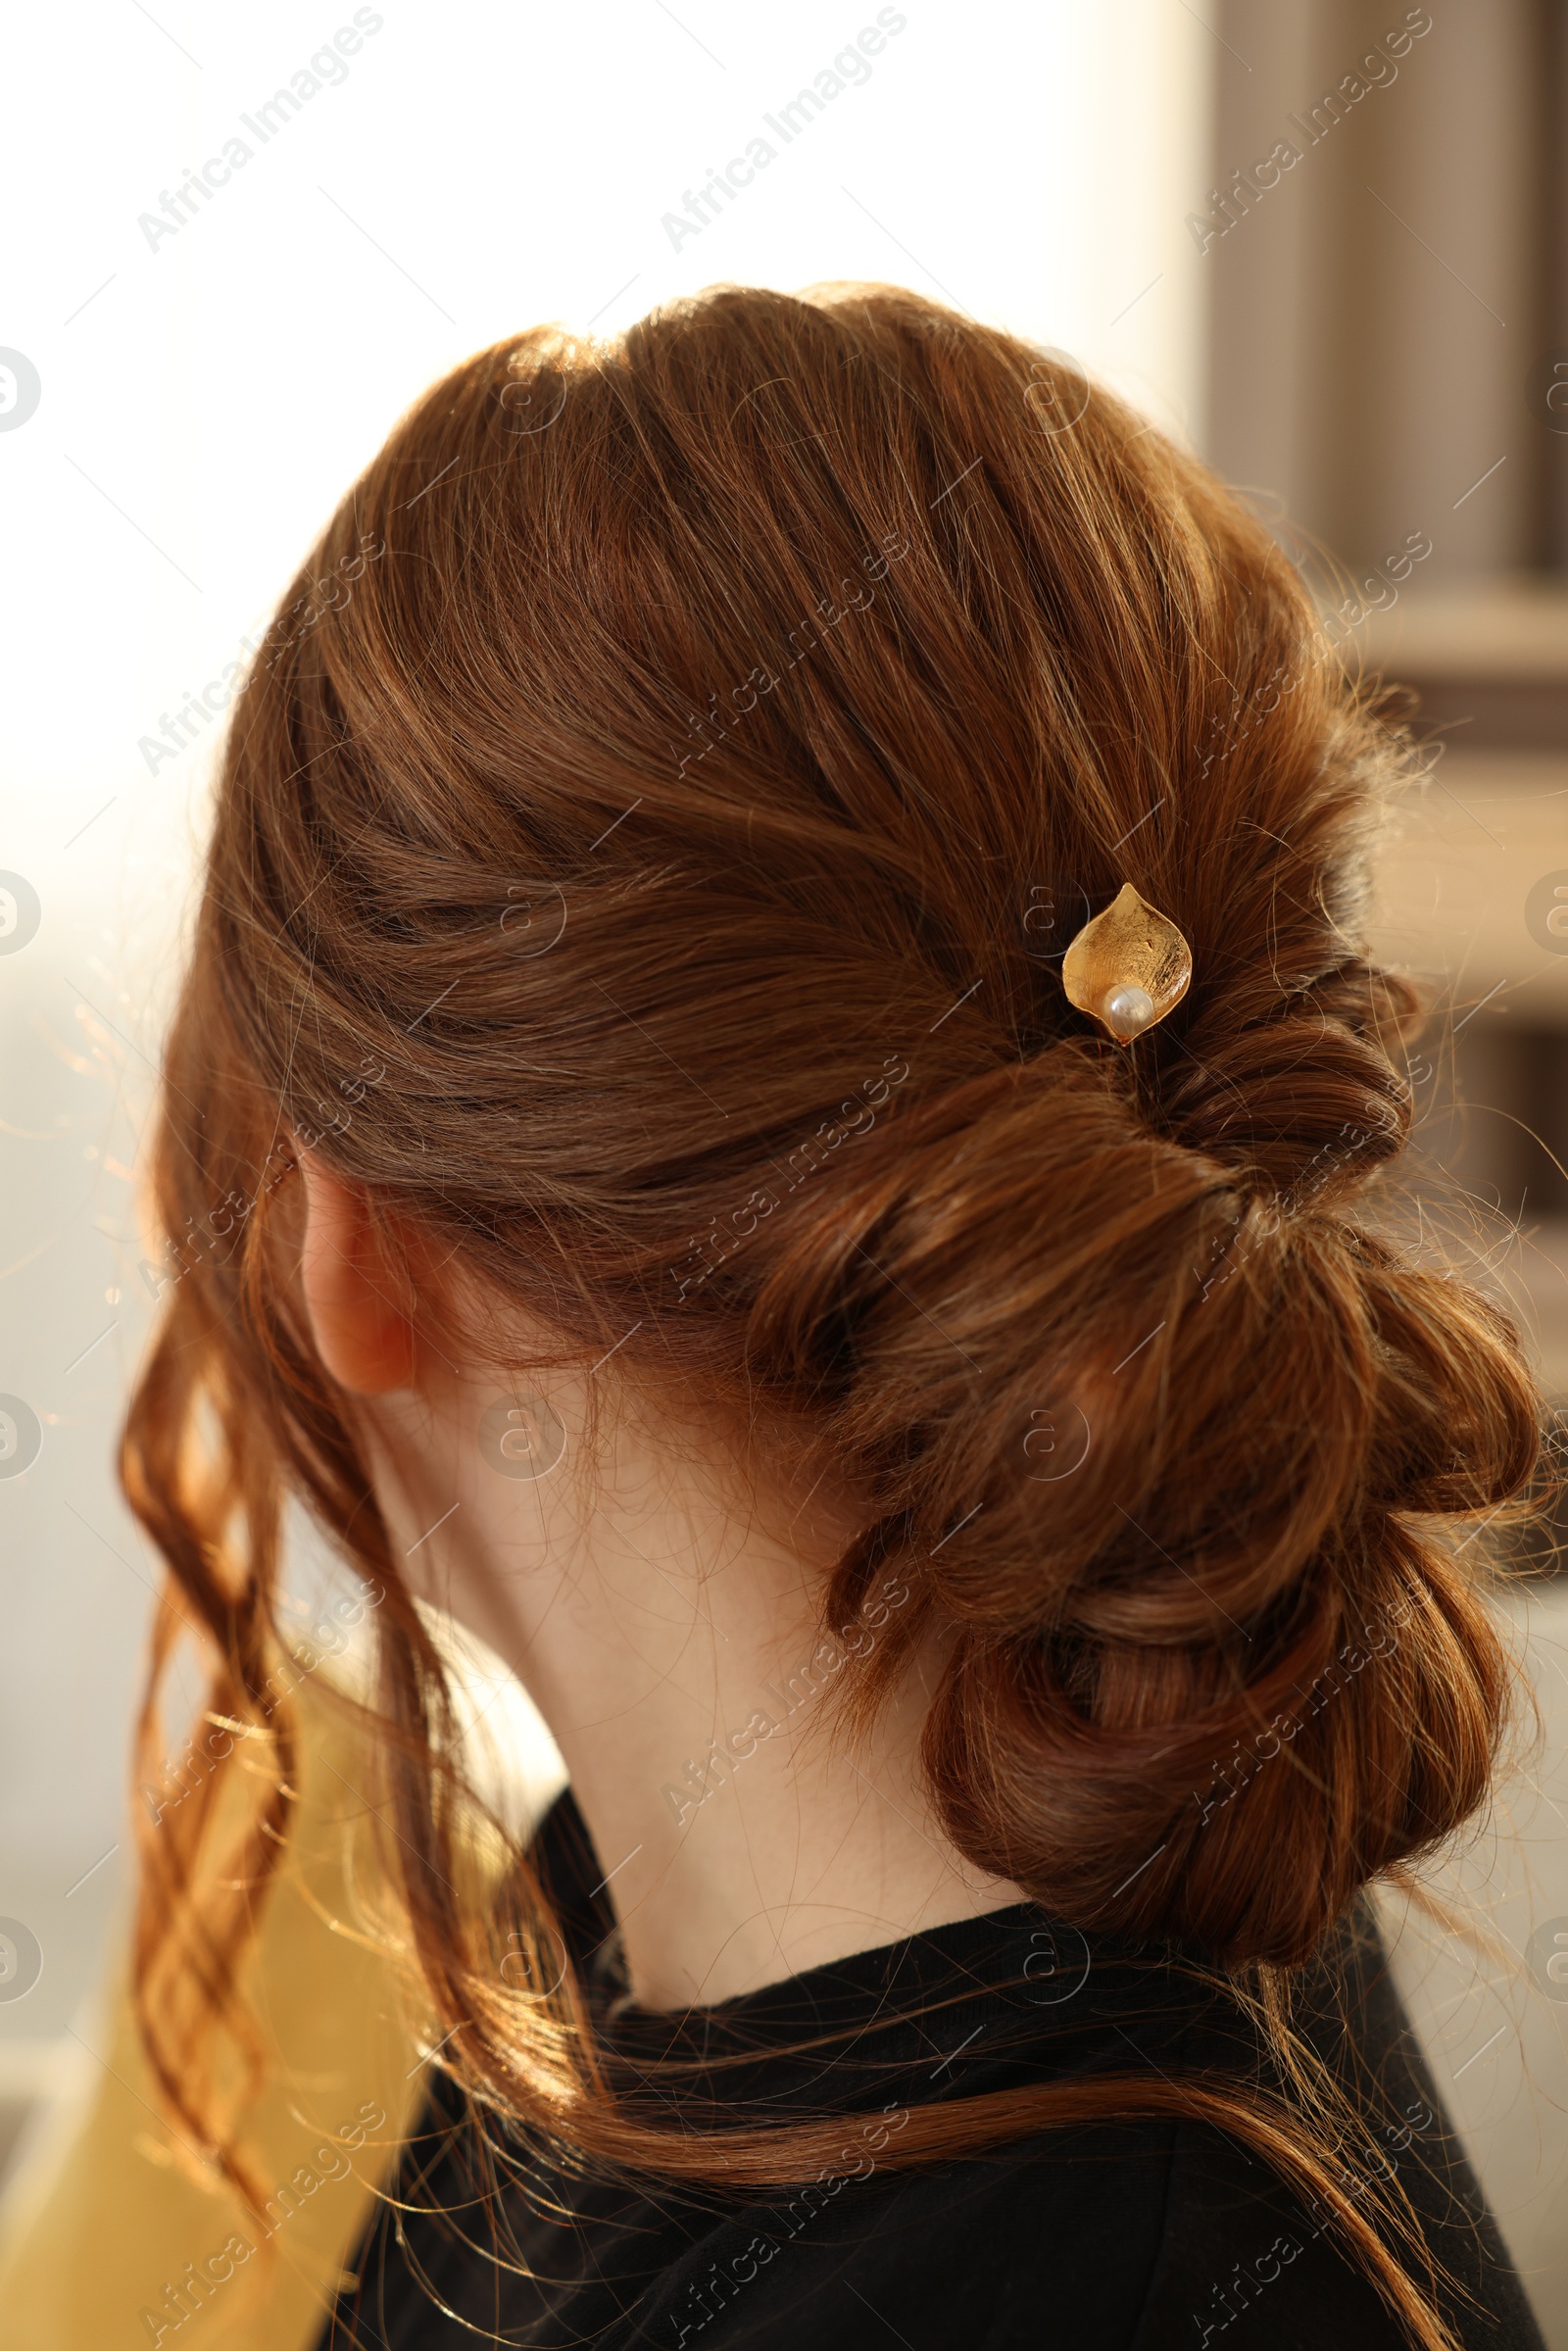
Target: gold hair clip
<point x="1128" y="967"/>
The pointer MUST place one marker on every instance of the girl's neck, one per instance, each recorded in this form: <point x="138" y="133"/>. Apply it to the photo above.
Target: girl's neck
<point x="661" y="1613"/>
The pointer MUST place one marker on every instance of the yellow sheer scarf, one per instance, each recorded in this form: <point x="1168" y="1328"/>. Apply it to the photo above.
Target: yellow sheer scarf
<point x="108" y="2239"/>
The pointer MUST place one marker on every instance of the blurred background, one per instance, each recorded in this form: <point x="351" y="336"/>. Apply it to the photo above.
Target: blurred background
<point x="1325" y="244"/>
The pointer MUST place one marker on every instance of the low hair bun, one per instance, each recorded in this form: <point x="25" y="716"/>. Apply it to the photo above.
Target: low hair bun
<point x="1154" y="1436"/>
<point x="1300" y="1105"/>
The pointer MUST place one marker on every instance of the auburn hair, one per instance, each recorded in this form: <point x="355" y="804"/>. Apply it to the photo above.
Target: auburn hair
<point x="642" y="857"/>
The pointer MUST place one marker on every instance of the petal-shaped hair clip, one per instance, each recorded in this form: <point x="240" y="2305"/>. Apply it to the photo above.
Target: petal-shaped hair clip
<point x="1128" y="967"/>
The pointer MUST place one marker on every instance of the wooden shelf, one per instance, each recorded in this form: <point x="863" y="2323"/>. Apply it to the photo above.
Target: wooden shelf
<point x="1510" y="629"/>
<point x="1488" y="661"/>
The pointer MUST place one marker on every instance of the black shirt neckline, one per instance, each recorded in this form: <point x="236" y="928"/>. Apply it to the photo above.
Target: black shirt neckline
<point x="1121" y="2235"/>
<point x="938" y="2013"/>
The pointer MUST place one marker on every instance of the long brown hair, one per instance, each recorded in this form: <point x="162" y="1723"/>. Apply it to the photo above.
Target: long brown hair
<point x="641" y="861"/>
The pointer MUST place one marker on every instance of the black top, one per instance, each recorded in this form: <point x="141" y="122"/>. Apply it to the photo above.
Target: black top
<point x="1133" y="2237"/>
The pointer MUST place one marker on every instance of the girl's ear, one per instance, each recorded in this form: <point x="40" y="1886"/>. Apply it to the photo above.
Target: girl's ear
<point x="360" y="1302"/>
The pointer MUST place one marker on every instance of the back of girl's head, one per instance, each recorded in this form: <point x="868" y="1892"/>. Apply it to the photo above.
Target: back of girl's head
<point x="652" y="827"/>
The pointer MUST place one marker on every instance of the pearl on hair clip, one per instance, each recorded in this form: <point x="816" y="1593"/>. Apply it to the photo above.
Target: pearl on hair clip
<point x="1128" y="967"/>
<point x="1128" y="1010"/>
